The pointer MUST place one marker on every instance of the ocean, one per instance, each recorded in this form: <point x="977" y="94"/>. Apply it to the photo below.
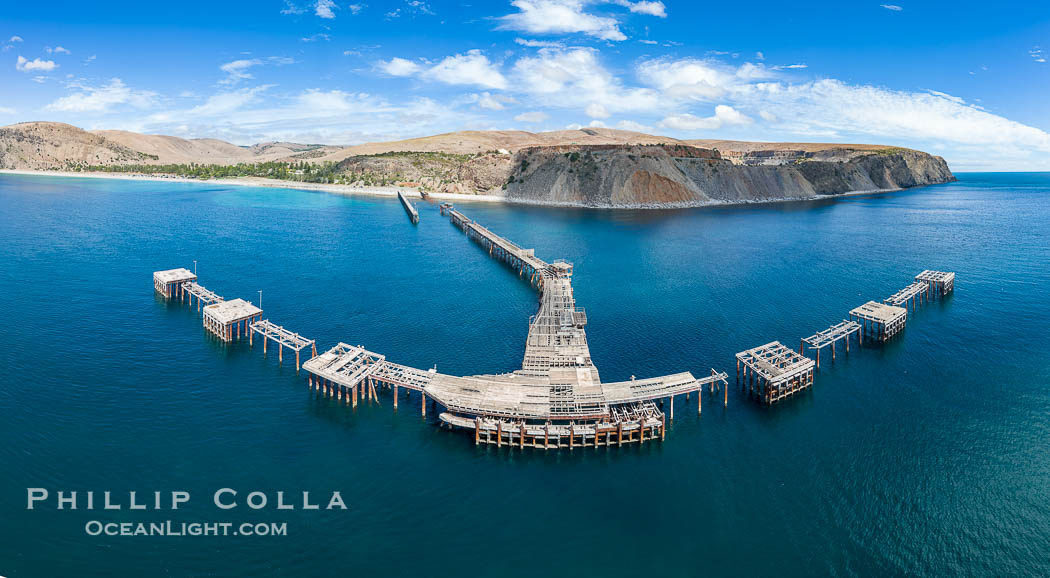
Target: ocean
<point x="927" y="454"/>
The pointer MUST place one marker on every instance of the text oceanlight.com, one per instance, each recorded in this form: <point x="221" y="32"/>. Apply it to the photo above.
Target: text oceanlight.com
<point x="226" y="500"/>
<point x="170" y="528"/>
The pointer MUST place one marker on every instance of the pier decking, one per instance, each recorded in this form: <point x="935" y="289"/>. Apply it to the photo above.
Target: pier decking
<point x="225" y="318"/>
<point x="169" y="283"/>
<point x="830" y="336"/>
<point x="910" y="296"/>
<point x="774" y="371"/>
<point x="413" y="214"/>
<point x="879" y="320"/>
<point x="556" y="396"/>
<point x="283" y="338"/>
<point x="942" y="281"/>
<point x="193" y="289"/>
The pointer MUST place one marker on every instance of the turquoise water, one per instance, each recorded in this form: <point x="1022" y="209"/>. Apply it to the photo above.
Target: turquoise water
<point x="926" y="455"/>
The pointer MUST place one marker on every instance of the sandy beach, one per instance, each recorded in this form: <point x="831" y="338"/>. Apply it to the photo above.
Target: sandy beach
<point x="261" y="182"/>
<point x="392" y="191"/>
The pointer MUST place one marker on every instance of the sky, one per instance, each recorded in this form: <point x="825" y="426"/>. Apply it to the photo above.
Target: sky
<point x="964" y="80"/>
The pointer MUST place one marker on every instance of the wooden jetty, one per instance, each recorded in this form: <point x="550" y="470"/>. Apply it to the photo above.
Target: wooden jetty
<point x="170" y="283"/>
<point x="830" y="336"/>
<point x="225" y="318"/>
<point x="444" y="208"/>
<point x="556" y="400"/>
<point x="283" y="338"/>
<point x="413" y="214"/>
<point x="774" y="371"/>
<point x="879" y="320"/>
<point x="942" y="282"/>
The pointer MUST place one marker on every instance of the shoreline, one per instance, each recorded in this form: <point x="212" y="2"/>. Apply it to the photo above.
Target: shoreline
<point x="391" y="192"/>
<point x="348" y="190"/>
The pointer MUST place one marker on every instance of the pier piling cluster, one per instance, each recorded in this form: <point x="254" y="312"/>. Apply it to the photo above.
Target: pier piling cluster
<point x="229" y="320"/>
<point x="773" y="372"/>
<point x="556" y="399"/>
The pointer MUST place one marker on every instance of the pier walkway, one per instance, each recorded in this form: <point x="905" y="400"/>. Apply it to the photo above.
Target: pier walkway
<point x="413" y="214"/>
<point x="909" y="296"/>
<point x="555" y="400"/>
<point x="270" y="331"/>
<point x="203" y="295"/>
<point x="830" y="336"/>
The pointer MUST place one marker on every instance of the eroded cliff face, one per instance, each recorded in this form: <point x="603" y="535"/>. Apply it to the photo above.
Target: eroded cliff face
<point x="679" y="175"/>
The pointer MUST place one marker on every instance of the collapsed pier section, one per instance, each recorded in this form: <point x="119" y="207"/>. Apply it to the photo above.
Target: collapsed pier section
<point x="830" y="336"/>
<point x="880" y="321"/>
<point x="774" y="371"/>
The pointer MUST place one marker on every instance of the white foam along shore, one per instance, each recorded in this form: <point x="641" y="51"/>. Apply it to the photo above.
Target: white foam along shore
<point x="261" y="182"/>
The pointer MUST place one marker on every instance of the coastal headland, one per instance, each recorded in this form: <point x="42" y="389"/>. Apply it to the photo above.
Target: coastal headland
<point x="587" y="167"/>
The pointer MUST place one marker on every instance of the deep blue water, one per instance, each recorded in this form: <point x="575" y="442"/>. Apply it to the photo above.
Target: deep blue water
<point x="928" y="454"/>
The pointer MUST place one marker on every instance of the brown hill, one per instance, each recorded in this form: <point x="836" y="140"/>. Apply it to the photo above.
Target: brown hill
<point x="590" y="166"/>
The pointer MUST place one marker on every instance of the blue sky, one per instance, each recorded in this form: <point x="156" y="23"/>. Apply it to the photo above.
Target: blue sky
<point x="966" y="80"/>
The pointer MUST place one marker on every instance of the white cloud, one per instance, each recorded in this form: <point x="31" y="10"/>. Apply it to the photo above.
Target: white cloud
<point x="102" y="98"/>
<point x="57" y="50"/>
<point x="489" y="101"/>
<point x="35" y="64"/>
<point x="760" y="56"/>
<point x="538" y="43"/>
<point x="532" y="117"/>
<point x="355" y="8"/>
<point x="227" y="102"/>
<point x="646" y="41"/>
<point x="237" y="70"/>
<point x="596" y="110"/>
<point x="789" y="66"/>
<point x="314" y="115"/>
<point x="1036" y="53"/>
<point x="472" y="68"/>
<point x="419" y="6"/>
<point x="560" y="17"/>
<point x="724" y="116"/>
<point x="575" y="78"/>
<point x="6" y="110"/>
<point x="767" y="116"/>
<point x="290" y="8"/>
<point x="15" y="39"/>
<point x="398" y="67"/>
<point x="645" y="7"/>
<point x="632" y="125"/>
<point x="325" y="8"/>
<point x="834" y="107"/>
<point x="689" y="78"/>
<point x="892" y="7"/>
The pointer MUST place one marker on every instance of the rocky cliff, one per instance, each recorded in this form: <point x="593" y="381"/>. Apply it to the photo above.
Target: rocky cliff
<point x="682" y="175"/>
<point x="593" y="167"/>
